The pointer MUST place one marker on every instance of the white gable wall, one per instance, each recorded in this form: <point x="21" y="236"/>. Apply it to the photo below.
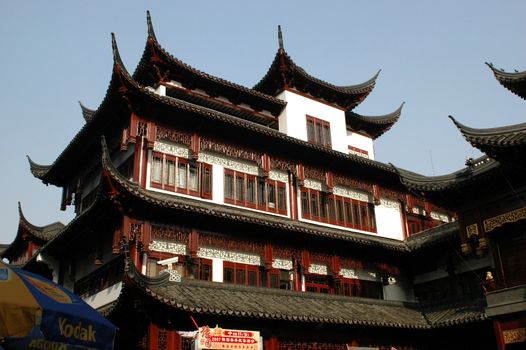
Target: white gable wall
<point x="292" y="120"/>
<point x="361" y="141"/>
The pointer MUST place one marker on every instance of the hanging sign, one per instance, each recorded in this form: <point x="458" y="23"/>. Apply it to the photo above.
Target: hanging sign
<point x="231" y="339"/>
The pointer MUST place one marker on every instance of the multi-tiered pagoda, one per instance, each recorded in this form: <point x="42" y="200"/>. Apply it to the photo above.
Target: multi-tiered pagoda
<point x="258" y="212"/>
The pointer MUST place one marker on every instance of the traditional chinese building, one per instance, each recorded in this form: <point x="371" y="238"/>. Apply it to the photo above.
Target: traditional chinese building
<point x="262" y="210"/>
<point x="489" y="197"/>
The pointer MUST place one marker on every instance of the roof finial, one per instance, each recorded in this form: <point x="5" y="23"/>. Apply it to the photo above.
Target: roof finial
<point x="280" y="38"/>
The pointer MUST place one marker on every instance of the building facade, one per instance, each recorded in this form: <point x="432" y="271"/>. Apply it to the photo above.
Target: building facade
<point x="201" y="202"/>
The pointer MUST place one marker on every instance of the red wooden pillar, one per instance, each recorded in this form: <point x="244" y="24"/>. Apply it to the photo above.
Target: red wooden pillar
<point x="174" y="340"/>
<point x="498" y="335"/>
<point x="153" y="337"/>
<point x="271" y="343"/>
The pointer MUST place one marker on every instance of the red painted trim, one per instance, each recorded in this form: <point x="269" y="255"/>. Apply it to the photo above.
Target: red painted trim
<point x="144" y="162"/>
<point x="293" y="199"/>
<point x="403" y="218"/>
<point x="137" y="160"/>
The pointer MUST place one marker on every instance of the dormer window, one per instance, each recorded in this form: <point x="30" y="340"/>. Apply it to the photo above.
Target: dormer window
<point x="318" y="132"/>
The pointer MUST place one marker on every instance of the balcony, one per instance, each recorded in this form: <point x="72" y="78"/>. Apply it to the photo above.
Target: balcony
<point x="102" y="278"/>
<point x="503" y="300"/>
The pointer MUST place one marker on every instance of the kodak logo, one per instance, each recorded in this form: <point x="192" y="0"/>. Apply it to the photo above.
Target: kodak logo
<point x="79" y="331"/>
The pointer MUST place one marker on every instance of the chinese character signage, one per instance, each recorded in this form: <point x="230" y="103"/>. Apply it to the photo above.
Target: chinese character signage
<point x="227" y="339"/>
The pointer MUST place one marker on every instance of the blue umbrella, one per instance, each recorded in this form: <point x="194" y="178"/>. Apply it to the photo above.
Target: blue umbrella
<point x="37" y="313"/>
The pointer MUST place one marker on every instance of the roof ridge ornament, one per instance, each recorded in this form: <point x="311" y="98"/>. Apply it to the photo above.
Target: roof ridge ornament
<point x="151" y="32"/>
<point x="280" y="39"/>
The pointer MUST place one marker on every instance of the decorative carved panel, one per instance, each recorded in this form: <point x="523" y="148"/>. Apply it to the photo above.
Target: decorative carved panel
<point x="498" y="221"/>
<point x="170" y="233"/>
<point x="279" y="176"/>
<point x="472" y="230"/>
<point x="243" y="258"/>
<point x="282" y="264"/>
<point x="313" y="184"/>
<point x="282" y="164"/>
<point x="390" y="203"/>
<point x="168" y="247"/>
<point x="314" y="173"/>
<point x="230" y="150"/>
<point x="170" y="148"/>
<point x="318" y="269"/>
<point x="164" y="133"/>
<point x="516" y="335"/>
<point x="348" y="273"/>
<point x="355" y="184"/>
<point x="352" y="193"/>
<point x="229" y="163"/>
<point x="227" y="243"/>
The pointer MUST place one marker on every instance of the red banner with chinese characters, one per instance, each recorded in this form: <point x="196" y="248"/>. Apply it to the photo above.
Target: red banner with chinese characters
<point x="228" y="339"/>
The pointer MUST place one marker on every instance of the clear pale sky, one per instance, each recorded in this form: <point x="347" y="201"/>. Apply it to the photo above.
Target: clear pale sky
<point x="431" y="53"/>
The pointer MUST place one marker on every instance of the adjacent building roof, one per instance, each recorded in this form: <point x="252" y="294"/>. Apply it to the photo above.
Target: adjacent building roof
<point x="515" y="82"/>
<point x="433" y="236"/>
<point x="274" y="304"/>
<point x="501" y="143"/>
<point x="373" y="126"/>
<point x="284" y="73"/>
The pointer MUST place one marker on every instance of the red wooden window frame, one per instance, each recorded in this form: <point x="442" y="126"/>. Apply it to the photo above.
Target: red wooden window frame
<point x="337" y="210"/>
<point x="166" y="174"/>
<point x="241" y="274"/>
<point x="255" y="192"/>
<point x="317" y="284"/>
<point x="318" y="131"/>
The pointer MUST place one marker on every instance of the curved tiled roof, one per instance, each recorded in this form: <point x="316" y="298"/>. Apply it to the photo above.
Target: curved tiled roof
<point x="421" y="183"/>
<point x="495" y="142"/>
<point x="274" y="304"/>
<point x="373" y="126"/>
<point x="45" y="233"/>
<point x="41" y="234"/>
<point x="433" y="236"/>
<point x="122" y="81"/>
<point x="284" y="72"/>
<point x="175" y="68"/>
<point x="515" y="82"/>
<point x="86" y="112"/>
<point x="55" y="173"/>
<point x="39" y="171"/>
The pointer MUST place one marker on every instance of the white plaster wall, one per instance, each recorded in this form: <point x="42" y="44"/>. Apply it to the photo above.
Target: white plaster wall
<point x="218" y="178"/>
<point x="400" y="290"/>
<point x="292" y="120"/>
<point x="388" y="220"/>
<point x="360" y="141"/>
<point x="217" y="270"/>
